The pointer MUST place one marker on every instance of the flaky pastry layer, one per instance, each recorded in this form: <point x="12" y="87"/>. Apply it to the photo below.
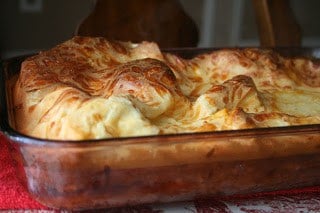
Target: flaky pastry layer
<point x="91" y="88"/>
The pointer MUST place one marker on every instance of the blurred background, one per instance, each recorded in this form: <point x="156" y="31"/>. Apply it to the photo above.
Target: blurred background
<point x="28" y="26"/>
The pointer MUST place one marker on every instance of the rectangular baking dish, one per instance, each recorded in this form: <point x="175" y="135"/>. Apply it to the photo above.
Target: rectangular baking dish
<point x="114" y="172"/>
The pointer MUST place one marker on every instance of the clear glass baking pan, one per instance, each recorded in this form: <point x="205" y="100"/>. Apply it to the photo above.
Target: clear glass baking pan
<point x="116" y="172"/>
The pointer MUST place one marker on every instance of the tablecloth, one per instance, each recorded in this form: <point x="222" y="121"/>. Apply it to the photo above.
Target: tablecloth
<point x="14" y="196"/>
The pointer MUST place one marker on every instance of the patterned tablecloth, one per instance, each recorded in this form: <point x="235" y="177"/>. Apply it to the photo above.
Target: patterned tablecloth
<point x="15" y="197"/>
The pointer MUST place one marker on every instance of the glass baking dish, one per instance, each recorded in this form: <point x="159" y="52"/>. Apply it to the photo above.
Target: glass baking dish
<point x="114" y="172"/>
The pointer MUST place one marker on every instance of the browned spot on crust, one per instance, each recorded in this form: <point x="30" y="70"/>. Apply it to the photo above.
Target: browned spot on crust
<point x="31" y="108"/>
<point x="117" y="46"/>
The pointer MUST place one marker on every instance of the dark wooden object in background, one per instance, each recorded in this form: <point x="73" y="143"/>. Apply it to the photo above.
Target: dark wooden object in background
<point x="276" y="23"/>
<point x="165" y="22"/>
<point x="162" y="21"/>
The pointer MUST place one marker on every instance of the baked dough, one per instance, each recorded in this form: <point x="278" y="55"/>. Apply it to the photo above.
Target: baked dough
<point x="91" y="88"/>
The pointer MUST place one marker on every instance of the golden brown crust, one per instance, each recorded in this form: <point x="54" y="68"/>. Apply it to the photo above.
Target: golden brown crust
<point x="94" y="88"/>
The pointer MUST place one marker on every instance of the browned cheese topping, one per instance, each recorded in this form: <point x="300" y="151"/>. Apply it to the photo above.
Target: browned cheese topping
<point x="90" y="88"/>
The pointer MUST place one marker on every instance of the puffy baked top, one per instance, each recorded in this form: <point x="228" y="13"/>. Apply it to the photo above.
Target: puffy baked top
<point x="90" y="88"/>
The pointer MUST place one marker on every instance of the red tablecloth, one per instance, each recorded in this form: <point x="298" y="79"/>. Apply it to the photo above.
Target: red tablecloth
<point x="14" y="195"/>
<point x="13" y="192"/>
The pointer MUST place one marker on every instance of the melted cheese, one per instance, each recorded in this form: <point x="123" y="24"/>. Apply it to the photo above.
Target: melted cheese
<point x="297" y="102"/>
<point x="90" y="88"/>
